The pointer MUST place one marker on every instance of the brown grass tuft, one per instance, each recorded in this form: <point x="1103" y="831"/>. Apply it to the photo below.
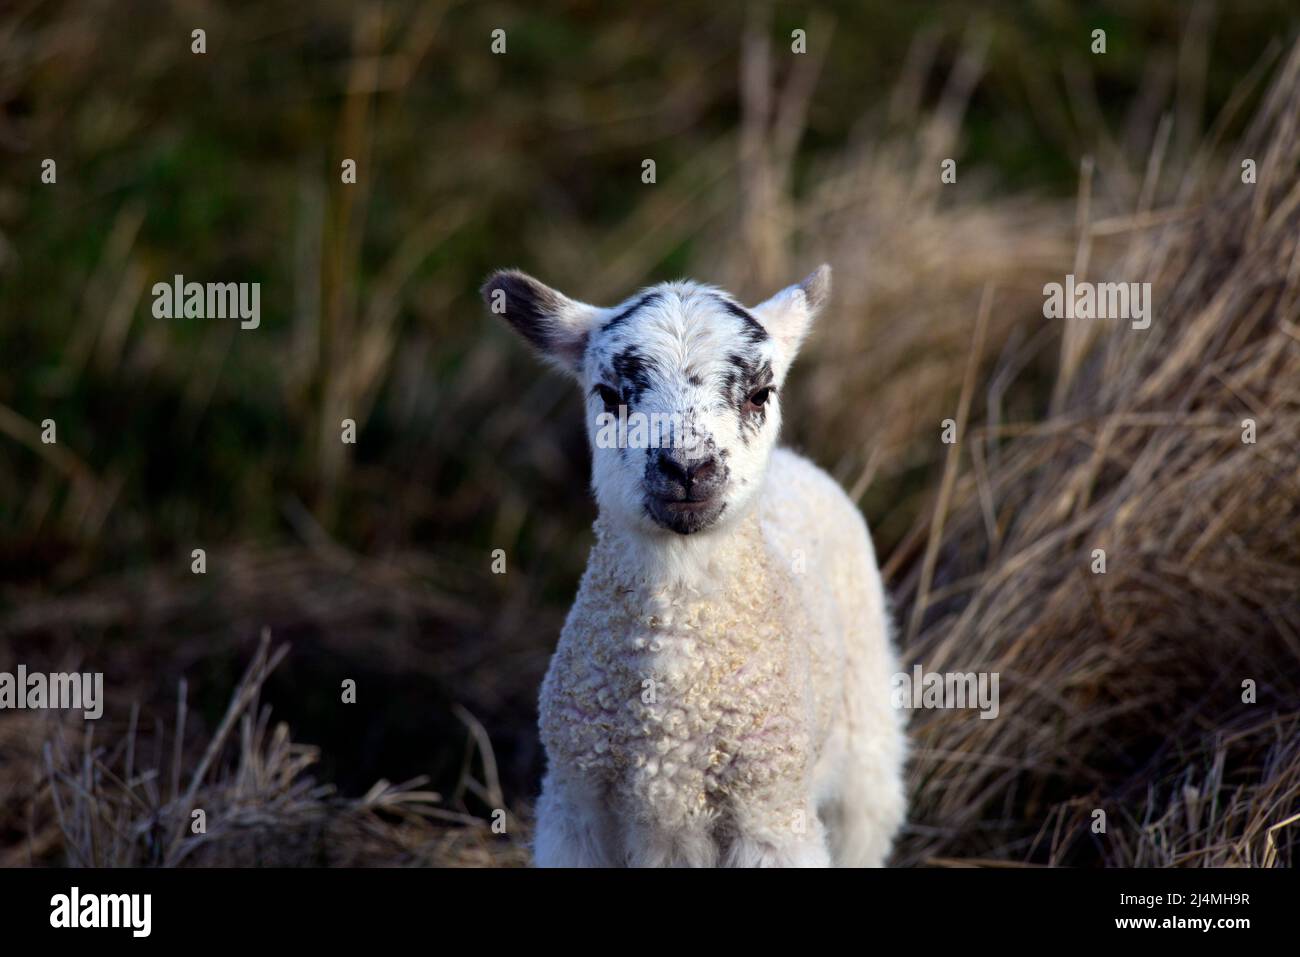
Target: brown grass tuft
<point x="1123" y="691"/>
<point x="131" y="803"/>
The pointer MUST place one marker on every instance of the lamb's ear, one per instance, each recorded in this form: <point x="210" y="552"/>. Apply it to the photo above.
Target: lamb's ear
<point x="556" y="325"/>
<point x="789" y="314"/>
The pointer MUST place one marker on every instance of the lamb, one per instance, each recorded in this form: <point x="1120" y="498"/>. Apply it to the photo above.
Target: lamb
<point x="720" y="694"/>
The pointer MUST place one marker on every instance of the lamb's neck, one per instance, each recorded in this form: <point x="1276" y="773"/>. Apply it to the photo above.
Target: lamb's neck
<point x="676" y="567"/>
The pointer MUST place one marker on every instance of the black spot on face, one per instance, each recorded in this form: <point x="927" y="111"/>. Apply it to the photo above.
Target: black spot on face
<point x="752" y="330"/>
<point x="648" y="299"/>
<point x="633" y="371"/>
<point x="745" y="376"/>
<point x="741" y="372"/>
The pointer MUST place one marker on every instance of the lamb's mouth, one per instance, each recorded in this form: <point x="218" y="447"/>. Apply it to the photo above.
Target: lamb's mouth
<point x="685" y="516"/>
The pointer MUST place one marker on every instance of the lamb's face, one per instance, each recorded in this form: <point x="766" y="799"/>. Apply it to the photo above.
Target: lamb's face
<point x="682" y="390"/>
<point x="682" y="408"/>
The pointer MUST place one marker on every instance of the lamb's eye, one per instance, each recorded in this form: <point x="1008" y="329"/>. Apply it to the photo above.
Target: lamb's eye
<point x="758" y="398"/>
<point x="608" y="396"/>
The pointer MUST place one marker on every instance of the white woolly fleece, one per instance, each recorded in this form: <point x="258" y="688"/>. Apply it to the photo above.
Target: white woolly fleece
<point x="723" y="698"/>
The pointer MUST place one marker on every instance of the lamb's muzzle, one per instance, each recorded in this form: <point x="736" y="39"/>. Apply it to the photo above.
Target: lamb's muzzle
<point x="683" y="491"/>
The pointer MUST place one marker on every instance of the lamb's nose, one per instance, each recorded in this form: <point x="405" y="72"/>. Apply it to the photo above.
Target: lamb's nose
<point x="696" y="477"/>
<point x="701" y="472"/>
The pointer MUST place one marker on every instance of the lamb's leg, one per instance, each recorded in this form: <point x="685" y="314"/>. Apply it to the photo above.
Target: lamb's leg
<point x="574" y="827"/>
<point x="776" y="833"/>
<point x="685" y="843"/>
<point x="862" y="823"/>
<point x="869" y="804"/>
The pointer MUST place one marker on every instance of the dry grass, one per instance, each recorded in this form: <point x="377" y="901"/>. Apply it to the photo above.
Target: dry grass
<point x="1123" y="691"/>
<point x="1120" y="692"/>
<point x="132" y="802"/>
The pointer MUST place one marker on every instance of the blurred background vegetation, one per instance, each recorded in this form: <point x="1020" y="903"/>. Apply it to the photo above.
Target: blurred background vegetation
<point x="374" y="561"/>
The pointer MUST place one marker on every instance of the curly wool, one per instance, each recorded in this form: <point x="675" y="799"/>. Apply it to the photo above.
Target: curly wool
<point x="725" y="699"/>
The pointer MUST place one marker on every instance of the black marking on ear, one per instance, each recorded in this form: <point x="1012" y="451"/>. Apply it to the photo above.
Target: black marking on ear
<point x="533" y="310"/>
<point x="646" y="300"/>
<point x="753" y="330"/>
<point x="633" y="370"/>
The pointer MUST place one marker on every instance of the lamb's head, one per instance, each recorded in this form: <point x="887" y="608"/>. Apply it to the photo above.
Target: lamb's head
<point x="682" y="388"/>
